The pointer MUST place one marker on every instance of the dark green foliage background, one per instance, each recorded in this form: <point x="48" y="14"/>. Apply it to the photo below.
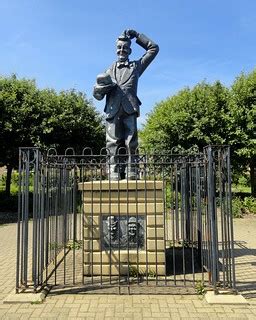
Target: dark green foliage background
<point x="44" y="118"/>
<point x="208" y="114"/>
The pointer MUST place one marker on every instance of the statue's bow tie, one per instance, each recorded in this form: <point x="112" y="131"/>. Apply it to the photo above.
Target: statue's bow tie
<point x="122" y="64"/>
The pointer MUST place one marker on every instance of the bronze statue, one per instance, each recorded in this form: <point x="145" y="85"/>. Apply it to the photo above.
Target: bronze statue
<point x="119" y="85"/>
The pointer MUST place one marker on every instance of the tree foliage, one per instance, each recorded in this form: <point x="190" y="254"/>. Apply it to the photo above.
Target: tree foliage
<point x="208" y="114"/>
<point x="16" y="107"/>
<point x="44" y="118"/>
<point x="192" y="118"/>
<point x="70" y="120"/>
<point x="242" y="107"/>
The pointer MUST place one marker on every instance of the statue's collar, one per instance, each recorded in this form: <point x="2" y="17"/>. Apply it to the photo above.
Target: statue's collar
<point x="121" y="64"/>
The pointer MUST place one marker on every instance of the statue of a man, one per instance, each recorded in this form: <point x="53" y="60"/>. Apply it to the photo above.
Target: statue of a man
<point x="119" y="85"/>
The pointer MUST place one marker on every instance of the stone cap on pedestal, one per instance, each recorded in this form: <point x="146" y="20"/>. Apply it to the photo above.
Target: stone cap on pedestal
<point x="121" y="185"/>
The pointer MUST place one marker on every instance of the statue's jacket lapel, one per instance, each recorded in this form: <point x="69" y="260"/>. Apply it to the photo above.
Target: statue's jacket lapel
<point x="125" y="93"/>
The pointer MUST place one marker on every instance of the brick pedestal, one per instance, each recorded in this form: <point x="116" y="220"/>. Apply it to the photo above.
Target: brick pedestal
<point x="123" y="199"/>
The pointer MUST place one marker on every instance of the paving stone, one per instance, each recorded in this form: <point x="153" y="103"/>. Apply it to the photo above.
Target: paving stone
<point x="81" y="306"/>
<point x="174" y="315"/>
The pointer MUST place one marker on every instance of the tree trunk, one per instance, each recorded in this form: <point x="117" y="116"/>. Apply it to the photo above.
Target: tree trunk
<point x="253" y="177"/>
<point x="8" y="181"/>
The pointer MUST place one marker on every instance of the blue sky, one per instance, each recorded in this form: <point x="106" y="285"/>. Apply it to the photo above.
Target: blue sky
<point x="65" y="44"/>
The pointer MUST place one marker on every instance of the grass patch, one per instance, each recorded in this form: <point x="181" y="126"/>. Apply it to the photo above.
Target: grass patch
<point x="238" y="188"/>
<point x="37" y="302"/>
<point x="200" y="288"/>
<point x="76" y="245"/>
<point x="135" y="273"/>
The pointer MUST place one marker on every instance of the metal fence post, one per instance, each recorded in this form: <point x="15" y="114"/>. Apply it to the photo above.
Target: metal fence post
<point x="36" y="220"/>
<point x="184" y="170"/>
<point x="230" y="220"/>
<point x="28" y="163"/>
<point x="187" y="196"/>
<point x="211" y="191"/>
<point x="199" y="214"/>
<point x="18" y="225"/>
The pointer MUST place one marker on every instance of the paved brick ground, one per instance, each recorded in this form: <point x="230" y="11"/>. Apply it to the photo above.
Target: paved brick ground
<point x="85" y="306"/>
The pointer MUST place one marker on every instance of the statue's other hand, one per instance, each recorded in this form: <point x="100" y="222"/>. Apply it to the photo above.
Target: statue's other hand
<point x="98" y="96"/>
<point x="131" y="33"/>
<point x="99" y="91"/>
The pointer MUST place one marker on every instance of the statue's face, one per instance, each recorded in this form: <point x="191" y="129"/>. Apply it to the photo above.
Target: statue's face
<point x="123" y="50"/>
<point x="132" y="229"/>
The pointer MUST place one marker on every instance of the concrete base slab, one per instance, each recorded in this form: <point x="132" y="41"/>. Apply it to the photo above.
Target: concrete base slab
<point x="26" y="297"/>
<point x="213" y="298"/>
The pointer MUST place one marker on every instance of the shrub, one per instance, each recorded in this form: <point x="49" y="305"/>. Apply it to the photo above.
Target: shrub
<point x="240" y="207"/>
<point x="250" y="204"/>
<point x="237" y="207"/>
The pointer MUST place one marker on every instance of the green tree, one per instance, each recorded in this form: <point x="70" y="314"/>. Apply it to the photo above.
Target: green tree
<point x="17" y="99"/>
<point x="191" y="118"/>
<point x="68" y="119"/>
<point x="242" y="123"/>
<point x="208" y="114"/>
<point x="32" y="117"/>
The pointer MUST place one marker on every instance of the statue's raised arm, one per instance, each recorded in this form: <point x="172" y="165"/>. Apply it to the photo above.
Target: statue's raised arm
<point x="147" y="44"/>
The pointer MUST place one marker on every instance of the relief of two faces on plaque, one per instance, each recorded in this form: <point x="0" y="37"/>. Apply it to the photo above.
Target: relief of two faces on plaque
<point x="123" y="232"/>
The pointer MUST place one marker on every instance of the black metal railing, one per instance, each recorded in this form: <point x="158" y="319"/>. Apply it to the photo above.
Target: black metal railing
<point x="169" y="227"/>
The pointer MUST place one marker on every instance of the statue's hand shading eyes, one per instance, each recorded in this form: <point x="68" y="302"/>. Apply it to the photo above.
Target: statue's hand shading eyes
<point x="131" y="33"/>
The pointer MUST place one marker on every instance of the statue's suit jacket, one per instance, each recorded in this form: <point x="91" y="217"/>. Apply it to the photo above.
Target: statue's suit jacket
<point x="124" y="93"/>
